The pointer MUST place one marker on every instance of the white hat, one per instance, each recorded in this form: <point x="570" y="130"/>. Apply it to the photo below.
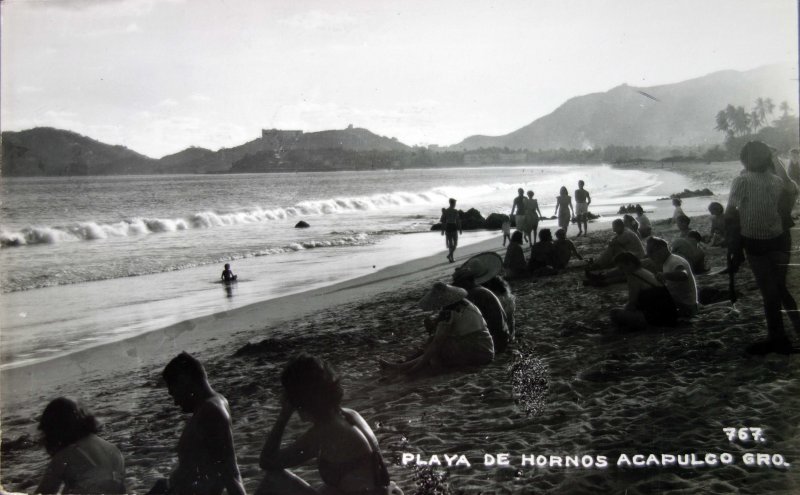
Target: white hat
<point x="441" y="295"/>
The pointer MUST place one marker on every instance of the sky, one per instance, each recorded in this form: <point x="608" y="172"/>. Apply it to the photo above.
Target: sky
<point x="159" y="76"/>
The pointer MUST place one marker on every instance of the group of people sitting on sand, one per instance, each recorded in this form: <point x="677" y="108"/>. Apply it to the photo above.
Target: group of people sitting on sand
<point x="471" y="320"/>
<point x="347" y="452"/>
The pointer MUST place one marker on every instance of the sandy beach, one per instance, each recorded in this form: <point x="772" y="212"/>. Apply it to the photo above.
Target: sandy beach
<point x="571" y="386"/>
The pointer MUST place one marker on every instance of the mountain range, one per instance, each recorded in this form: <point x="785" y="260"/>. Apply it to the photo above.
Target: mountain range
<point x="679" y="114"/>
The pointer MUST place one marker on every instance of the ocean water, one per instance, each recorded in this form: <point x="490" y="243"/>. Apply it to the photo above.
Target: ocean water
<point x="87" y="260"/>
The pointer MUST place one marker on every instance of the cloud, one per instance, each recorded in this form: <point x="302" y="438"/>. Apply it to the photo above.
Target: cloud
<point x="319" y="20"/>
<point x="168" y="102"/>
<point x="118" y="7"/>
<point x="28" y="89"/>
<point x="199" y="98"/>
<point x="131" y="28"/>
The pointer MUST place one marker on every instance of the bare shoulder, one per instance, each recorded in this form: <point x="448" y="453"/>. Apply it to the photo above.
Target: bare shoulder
<point x="213" y="410"/>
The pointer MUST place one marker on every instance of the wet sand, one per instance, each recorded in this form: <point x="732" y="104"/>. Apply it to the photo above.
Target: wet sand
<point x="571" y="386"/>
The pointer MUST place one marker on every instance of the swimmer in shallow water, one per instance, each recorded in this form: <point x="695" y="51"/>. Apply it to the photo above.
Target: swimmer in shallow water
<point x="227" y="274"/>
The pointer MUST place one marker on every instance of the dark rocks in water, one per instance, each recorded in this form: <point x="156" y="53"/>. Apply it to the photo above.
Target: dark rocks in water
<point x="301" y="225"/>
<point x="589" y="216"/>
<point x="437" y="227"/>
<point x="690" y="194"/>
<point x="626" y="209"/>
<point x="495" y="221"/>
<point x="472" y="219"/>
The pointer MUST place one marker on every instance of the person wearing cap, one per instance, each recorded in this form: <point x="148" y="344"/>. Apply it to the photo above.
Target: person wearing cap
<point x="755" y="197"/>
<point x="460" y="335"/>
<point x="477" y="270"/>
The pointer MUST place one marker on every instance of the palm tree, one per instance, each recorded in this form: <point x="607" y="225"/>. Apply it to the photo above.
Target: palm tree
<point x="760" y="109"/>
<point x="769" y="106"/>
<point x="785" y="108"/>
<point x="756" y="119"/>
<point x="741" y="121"/>
<point x="722" y="122"/>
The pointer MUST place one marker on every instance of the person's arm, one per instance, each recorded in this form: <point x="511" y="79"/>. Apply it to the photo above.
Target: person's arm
<point x="588" y="199"/>
<point x="537" y="209"/>
<point x="458" y="224"/>
<point x="513" y="208"/>
<point x="275" y="457"/>
<point x="634" y="287"/>
<point x="571" y="209"/>
<point x="679" y="274"/>
<point x="574" y="250"/>
<point x="53" y="476"/>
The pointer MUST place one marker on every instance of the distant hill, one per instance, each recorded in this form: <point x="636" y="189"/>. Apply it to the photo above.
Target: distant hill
<point x="682" y="114"/>
<point x="48" y="151"/>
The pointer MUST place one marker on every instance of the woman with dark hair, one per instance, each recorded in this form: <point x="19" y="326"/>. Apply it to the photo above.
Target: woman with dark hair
<point x="348" y="456"/>
<point x="81" y="461"/>
<point x="514" y="262"/>
<point x="543" y="255"/>
<point x="758" y="195"/>
<point x="564" y="209"/>
<point x="502" y="290"/>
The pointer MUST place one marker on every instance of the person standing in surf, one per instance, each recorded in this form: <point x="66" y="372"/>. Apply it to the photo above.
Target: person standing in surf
<point x="518" y="208"/>
<point x="451" y="225"/>
<point x="582" y="202"/>
<point x="564" y="209"/>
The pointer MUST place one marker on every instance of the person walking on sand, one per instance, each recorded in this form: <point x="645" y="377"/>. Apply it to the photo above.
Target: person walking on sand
<point x="206" y="457"/>
<point x="348" y="456"/>
<point x="564" y="209"/>
<point x="582" y="202"/>
<point x="532" y="214"/>
<point x="755" y="196"/>
<point x="451" y="225"/>
<point x="80" y="461"/>
<point x="518" y="207"/>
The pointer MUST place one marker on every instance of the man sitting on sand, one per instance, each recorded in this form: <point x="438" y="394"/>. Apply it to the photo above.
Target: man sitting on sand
<point x="689" y="249"/>
<point x="676" y="273"/>
<point x="649" y="301"/>
<point x="514" y="262"/>
<point x="543" y="256"/>
<point x="623" y="241"/>
<point x="682" y="221"/>
<point x="716" y="237"/>
<point x="206" y="458"/>
<point x="460" y="336"/>
<point x="564" y="250"/>
<point x="645" y="227"/>
<point x="478" y="270"/>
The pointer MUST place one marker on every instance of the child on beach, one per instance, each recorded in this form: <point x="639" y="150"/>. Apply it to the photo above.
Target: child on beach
<point x="564" y="250"/>
<point x="227" y="274"/>
<point x="716" y="237"/>
<point x="81" y="461"/>
<point x="514" y="262"/>
<point x="506" y="227"/>
<point x="677" y="202"/>
<point x="645" y="227"/>
<point x="348" y="456"/>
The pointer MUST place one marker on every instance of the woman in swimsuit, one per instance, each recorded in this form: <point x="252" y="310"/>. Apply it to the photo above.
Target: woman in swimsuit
<point x="81" y="461"/>
<point x="348" y="457"/>
<point x="564" y="209"/>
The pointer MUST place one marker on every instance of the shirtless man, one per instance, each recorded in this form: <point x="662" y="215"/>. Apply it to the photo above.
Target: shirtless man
<point x="518" y="207"/>
<point x="206" y="459"/>
<point x="582" y="202"/>
<point x="451" y="226"/>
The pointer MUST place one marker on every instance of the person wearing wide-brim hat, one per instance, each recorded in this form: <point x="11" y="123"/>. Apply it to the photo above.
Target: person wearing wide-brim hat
<point x="469" y="276"/>
<point x="460" y="336"/>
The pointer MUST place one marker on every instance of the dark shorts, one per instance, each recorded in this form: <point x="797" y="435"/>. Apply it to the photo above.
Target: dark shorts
<point x="450" y="228"/>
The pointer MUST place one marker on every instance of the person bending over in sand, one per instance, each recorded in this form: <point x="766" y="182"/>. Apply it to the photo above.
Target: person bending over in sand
<point x="582" y="202"/>
<point x="677" y="202"/>
<point x="564" y="250"/>
<point x="564" y="209"/>
<point x="716" y="237"/>
<point x="451" y="226"/>
<point x="756" y="196"/>
<point x="514" y="262"/>
<point x="649" y="301"/>
<point x="227" y="274"/>
<point x="645" y="227"/>
<point x="676" y="273"/>
<point x="460" y="335"/>
<point x="468" y="277"/>
<point x="689" y="249"/>
<point x="532" y="214"/>
<point x="80" y="461"/>
<point x="624" y="240"/>
<point x="206" y="457"/>
<point x="347" y="452"/>
<point x="543" y="256"/>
